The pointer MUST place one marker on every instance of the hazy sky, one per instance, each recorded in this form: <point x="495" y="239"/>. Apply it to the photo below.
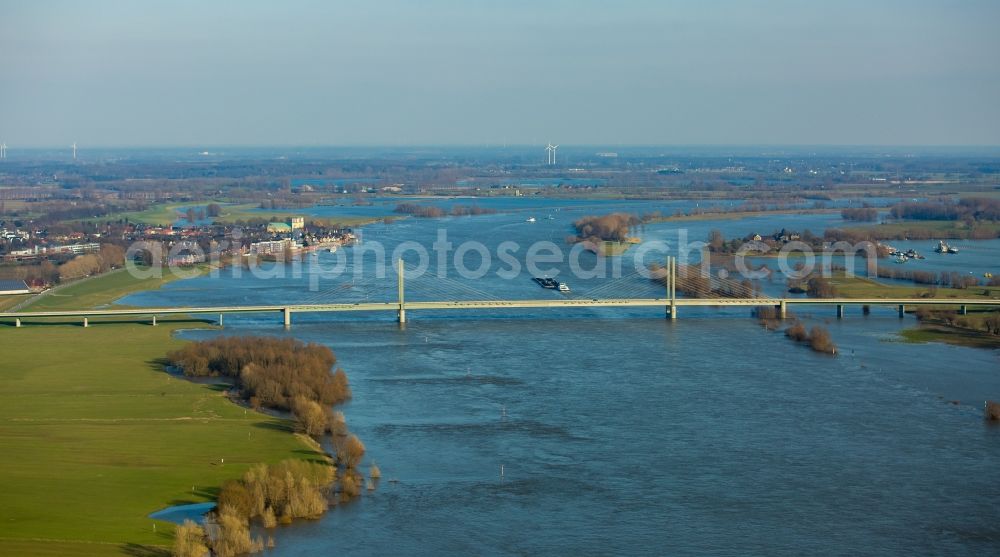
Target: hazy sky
<point x="124" y="73"/>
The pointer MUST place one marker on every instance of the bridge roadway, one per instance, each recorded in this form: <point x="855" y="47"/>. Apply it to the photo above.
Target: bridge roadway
<point x="671" y="305"/>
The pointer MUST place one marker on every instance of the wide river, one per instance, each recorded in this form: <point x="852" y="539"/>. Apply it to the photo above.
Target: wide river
<point x="621" y="432"/>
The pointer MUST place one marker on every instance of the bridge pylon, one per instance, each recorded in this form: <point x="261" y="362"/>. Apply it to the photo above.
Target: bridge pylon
<point x="401" y="312"/>
<point x="672" y="286"/>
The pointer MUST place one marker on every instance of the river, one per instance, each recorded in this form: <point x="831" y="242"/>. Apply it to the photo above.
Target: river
<point x="620" y="432"/>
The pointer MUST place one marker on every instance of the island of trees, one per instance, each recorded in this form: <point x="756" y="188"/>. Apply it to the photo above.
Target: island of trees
<point x="606" y="235"/>
<point x="430" y="211"/>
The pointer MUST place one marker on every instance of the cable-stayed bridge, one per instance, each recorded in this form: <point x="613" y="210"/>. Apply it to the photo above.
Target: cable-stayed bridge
<point x="429" y="292"/>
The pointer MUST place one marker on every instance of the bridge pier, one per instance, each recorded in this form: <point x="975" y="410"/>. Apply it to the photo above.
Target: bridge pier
<point x="220" y="319"/>
<point x="17" y="322"/>
<point x="902" y="311"/>
<point x="782" y="310"/>
<point x="154" y="320"/>
<point x="840" y="311"/>
<point x="288" y="317"/>
<point x="86" y="322"/>
<point x="963" y="310"/>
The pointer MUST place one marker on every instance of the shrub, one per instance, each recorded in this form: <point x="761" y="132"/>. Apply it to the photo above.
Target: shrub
<point x="992" y="411"/>
<point x="310" y="416"/>
<point x="306" y="501"/>
<point x="797" y="332"/>
<point x="351" y="451"/>
<point x="766" y="312"/>
<point x="992" y="324"/>
<point x="237" y="498"/>
<point x="819" y="287"/>
<point x="350" y="484"/>
<point x="234" y="536"/>
<point x="820" y="341"/>
<point x="268" y="518"/>
<point x="189" y="541"/>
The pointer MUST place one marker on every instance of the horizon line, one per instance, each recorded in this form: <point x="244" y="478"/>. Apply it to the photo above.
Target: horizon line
<point x="500" y="145"/>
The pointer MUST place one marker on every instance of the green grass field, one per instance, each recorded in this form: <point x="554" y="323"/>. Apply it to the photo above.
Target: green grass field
<point x="165" y="214"/>
<point x="860" y="287"/>
<point x="736" y="215"/>
<point x="612" y="249"/>
<point x="246" y="212"/>
<point x="160" y="214"/>
<point x="101" y="290"/>
<point x="933" y="332"/>
<point x="96" y="435"/>
<point x="11" y="300"/>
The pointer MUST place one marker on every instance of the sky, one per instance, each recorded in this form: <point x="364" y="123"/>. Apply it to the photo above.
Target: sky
<point x="487" y="72"/>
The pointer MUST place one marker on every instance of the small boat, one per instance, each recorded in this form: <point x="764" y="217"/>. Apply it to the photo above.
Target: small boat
<point x="901" y="258"/>
<point x="550" y="217"/>
<point x="563" y="287"/>
<point x="987" y="275"/>
<point x="530" y="219"/>
<point x="952" y="249"/>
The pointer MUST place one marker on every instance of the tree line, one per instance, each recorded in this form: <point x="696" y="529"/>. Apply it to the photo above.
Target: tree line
<point x="989" y="324"/>
<point x="952" y="279"/>
<point x="818" y="338"/>
<point x="269" y="372"/>
<point x="430" y="211"/>
<point x="863" y="214"/>
<point x="109" y="257"/>
<point x="970" y="209"/>
<point x="282" y="374"/>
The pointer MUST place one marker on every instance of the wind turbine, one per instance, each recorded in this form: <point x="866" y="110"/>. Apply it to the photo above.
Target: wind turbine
<point x="549" y="153"/>
<point x="3" y="150"/>
<point x="553" y="147"/>
<point x="74" y="150"/>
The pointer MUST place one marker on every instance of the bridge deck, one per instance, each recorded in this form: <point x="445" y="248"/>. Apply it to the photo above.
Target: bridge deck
<point x="500" y="304"/>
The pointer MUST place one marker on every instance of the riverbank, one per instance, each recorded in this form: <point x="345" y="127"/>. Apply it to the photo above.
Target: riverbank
<point x="96" y="436"/>
<point x="930" y="330"/>
<point x="959" y="336"/>
<point x="102" y="290"/>
<point x="926" y="230"/>
<point x="862" y="287"/>
<point x="736" y="215"/>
